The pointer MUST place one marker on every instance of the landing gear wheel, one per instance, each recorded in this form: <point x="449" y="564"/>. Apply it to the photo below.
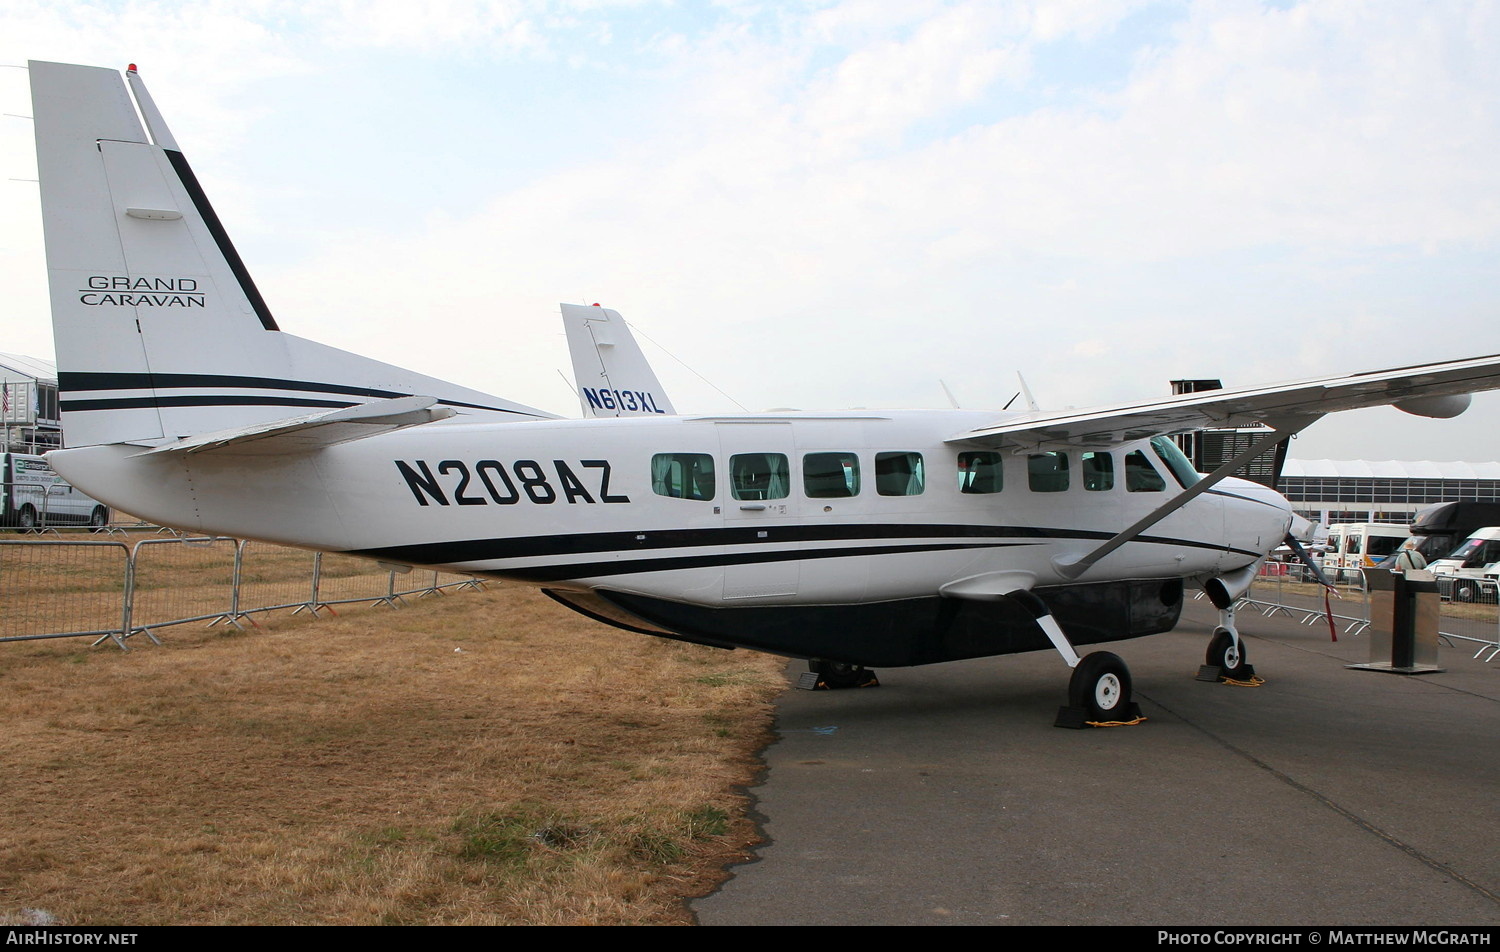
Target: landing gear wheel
<point x="1098" y="691"/>
<point x="1100" y="685"/>
<point x="1225" y="655"/>
<point x="836" y="676"/>
<point x="1224" y="661"/>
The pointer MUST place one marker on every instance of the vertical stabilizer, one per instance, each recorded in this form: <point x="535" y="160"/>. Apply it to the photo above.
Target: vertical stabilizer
<point x="613" y="377"/>
<point x="160" y="331"/>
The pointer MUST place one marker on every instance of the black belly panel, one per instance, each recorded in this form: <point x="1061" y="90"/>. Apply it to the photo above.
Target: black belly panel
<point x="907" y="632"/>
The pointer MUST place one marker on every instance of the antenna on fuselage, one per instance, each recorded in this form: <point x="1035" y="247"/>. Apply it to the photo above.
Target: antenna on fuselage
<point x="1030" y="400"/>
<point x="952" y="400"/>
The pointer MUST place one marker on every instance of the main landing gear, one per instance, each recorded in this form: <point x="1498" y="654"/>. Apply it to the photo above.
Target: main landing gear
<point x="836" y="676"/>
<point x="1099" y="691"/>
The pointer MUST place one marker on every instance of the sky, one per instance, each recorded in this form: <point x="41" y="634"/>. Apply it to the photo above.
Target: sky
<point x="829" y="204"/>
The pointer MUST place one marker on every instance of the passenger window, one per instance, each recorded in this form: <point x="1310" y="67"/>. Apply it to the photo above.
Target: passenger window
<point x="1047" y="472"/>
<point x="830" y="475"/>
<point x="899" y="474"/>
<point x="683" y="475"/>
<point x="1098" y="472"/>
<point x="1141" y="476"/>
<point x="980" y="472"/>
<point x="758" y="476"/>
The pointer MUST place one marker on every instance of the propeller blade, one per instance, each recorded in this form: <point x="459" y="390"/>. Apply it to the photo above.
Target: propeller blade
<point x="1307" y="560"/>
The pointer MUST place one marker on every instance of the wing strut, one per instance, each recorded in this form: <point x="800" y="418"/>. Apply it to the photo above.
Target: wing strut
<point x="1073" y="568"/>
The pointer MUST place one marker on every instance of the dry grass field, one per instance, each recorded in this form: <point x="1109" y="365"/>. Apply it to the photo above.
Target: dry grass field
<point x="482" y="757"/>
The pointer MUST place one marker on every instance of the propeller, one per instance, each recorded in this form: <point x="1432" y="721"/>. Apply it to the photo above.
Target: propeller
<point x="1306" y="559"/>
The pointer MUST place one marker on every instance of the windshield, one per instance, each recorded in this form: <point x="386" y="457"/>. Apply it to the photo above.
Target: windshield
<point x="1465" y="550"/>
<point x="1176" y="460"/>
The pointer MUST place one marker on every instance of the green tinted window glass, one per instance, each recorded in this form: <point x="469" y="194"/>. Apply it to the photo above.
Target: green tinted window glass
<point x="899" y="474"/>
<point x="683" y="475"/>
<point x="980" y="472"/>
<point x="1047" y="472"/>
<point x="1141" y="476"/>
<point x="830" y="475"/>
<point x="1098" y="471"/>
<point x="1176" y="460"/>
<point x="758" y="476"/>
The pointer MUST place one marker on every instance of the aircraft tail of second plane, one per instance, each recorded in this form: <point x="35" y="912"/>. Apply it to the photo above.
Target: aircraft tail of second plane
<point x="614" y="378"/>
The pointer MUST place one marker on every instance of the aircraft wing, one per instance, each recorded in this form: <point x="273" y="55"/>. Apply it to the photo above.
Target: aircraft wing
<point x="1436" y="390"/>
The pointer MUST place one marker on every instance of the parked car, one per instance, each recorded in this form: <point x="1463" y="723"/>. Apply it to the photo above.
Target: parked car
<point x="32" y="496"/>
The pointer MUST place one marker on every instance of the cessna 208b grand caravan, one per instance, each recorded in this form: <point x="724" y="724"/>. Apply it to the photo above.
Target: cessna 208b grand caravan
<point x="849" y="538"/>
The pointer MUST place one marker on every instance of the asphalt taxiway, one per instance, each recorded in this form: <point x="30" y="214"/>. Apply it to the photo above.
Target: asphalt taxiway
<point x="1324" y="797"/>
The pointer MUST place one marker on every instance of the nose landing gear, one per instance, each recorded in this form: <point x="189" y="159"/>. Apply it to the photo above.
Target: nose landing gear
<point x="1226" y="658"/>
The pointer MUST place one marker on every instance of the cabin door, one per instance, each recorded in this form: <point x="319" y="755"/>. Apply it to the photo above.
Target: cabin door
<point x="761" y="510"/>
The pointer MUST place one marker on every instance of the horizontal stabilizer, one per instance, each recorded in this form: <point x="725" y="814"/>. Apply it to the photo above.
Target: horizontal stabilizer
<point x="313" y="432"/>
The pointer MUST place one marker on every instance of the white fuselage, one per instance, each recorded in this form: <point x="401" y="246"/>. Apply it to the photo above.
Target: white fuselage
<point x="572" y="504"/>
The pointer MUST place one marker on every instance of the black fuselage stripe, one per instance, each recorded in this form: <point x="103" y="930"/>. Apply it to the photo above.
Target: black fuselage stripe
<point x="475" y="550"/>
<point x="78" y="381"/>
<point x="1229" y="495"/>
<point x="575" y="570"/>
<point x="623" y="543"/>
<point x="82" y="382"/>
<point x="221" y="238"/>
<point x="136" y="403"/>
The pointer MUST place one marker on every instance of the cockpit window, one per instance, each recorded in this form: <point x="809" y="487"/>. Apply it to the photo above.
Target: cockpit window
<point x="1140" y="475"/>
<point x="1098" y="471"/>
<point x="980" y="472"/>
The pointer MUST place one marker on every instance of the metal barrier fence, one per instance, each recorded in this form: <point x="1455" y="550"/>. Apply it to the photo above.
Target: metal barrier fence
<point x="109" y="588"/>
<point x="44" y="500"/>
<point x="1469" y="606"/>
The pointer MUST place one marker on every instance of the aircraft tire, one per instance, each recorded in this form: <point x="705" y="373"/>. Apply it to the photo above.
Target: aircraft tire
<point x="1101" y="686"/>
<point x="836" y="675"/>
<point x="1223" y="655"/>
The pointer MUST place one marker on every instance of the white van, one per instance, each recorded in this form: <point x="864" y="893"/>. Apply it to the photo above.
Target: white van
<point x="1355" y="546"/>
<point x="1470" y="564"/>
<point x="32" y="495"/>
